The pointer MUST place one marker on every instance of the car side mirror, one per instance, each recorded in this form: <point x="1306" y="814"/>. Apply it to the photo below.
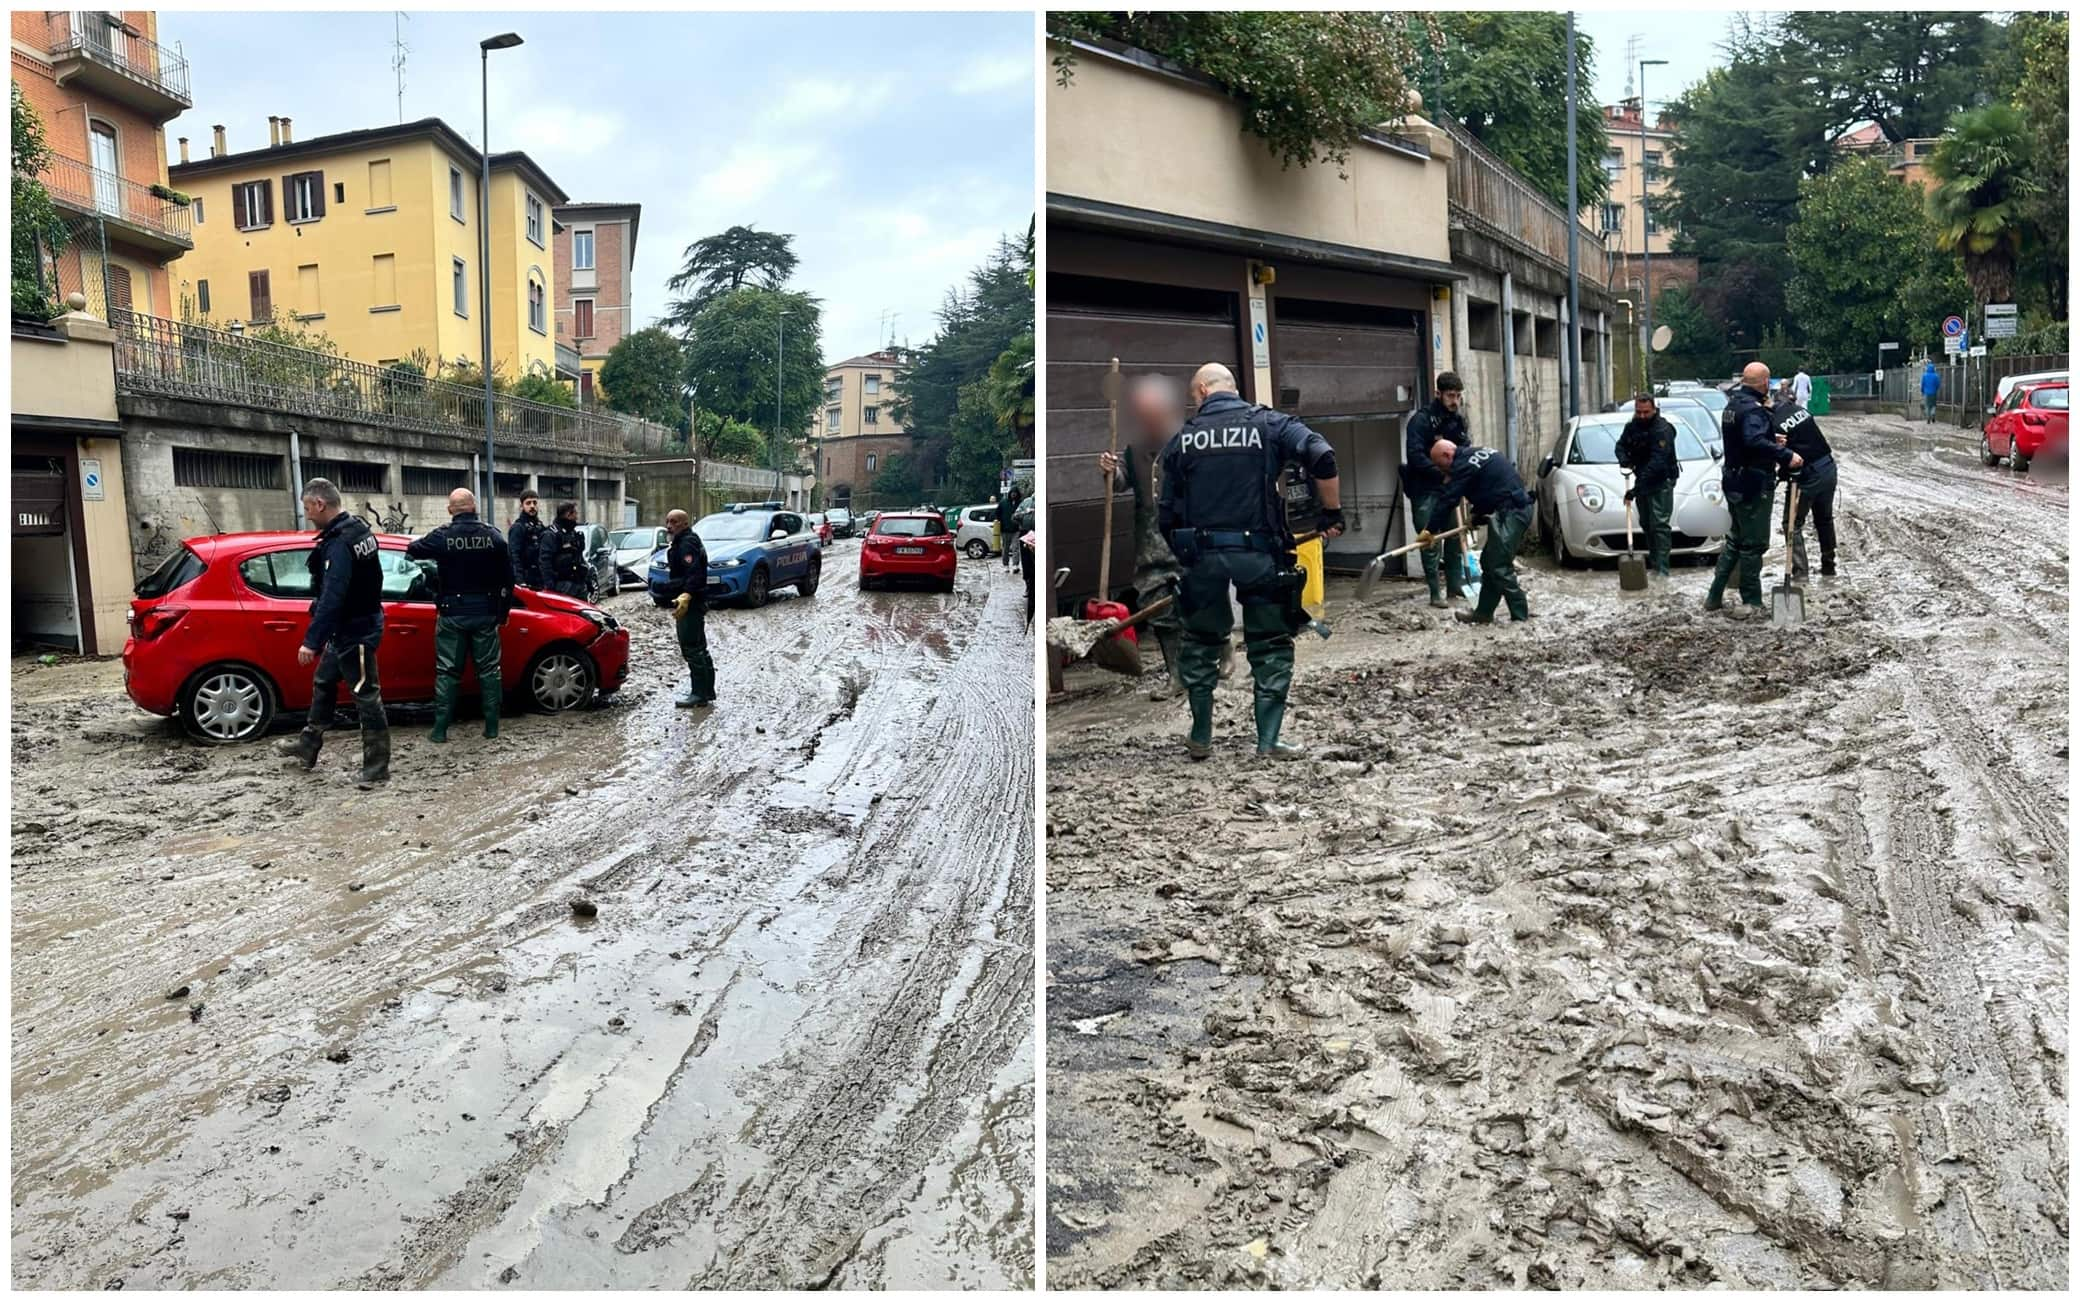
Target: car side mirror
<point x="1545" y="467"/>
<point x="1716" y="455"/>
<point x="777" y="533"/>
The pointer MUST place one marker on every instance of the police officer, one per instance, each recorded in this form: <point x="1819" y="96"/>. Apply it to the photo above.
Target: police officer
<point x="1754" y="453"/>
<point x="1489" y="484"/>
<point x="686" y="585"/>
<point x="1157" y="405"/>
<point x="1647" y="449"/>
<point x="1439" y="419"/>
<point x="1007" y="515"/>
<point x="346" y="628"/>
<point x="1816" y="484"/>
<point x="1221" y="509"/>
<point x="564" y="566"/>
<point x="476" y="593"/>
<point x="524" y="543"/>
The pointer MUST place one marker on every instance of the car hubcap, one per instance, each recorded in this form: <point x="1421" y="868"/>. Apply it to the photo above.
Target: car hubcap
<point x="227" y="706"/>
<point x="560" y="682"/>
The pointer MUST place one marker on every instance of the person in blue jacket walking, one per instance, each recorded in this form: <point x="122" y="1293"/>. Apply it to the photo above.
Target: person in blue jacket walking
<point x="1930" y="383"/>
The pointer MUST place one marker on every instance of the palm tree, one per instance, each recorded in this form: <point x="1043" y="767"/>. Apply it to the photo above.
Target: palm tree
<point x="1980" y="200"/>
<point x="721" y="263"/>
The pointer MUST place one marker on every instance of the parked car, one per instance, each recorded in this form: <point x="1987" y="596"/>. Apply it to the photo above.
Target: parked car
<point x="819" y="524"/>
<point x="633" y="549"/>
<point x="599" y="554"/>
<point x="904" y="545"/>
<point x="2028" y="424"/>
<point x="977" y="532"/>
<point x="2008" y="382"/>
<point x="841" y="521"/>
<point x="1581" y="492"/>
<point x="1703" y="417"/>
<point x="752" y="549"/>
<point x="214" y="633"/>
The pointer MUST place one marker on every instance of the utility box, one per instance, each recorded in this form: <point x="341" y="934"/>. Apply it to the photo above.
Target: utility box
<point x="1822" y="402"/>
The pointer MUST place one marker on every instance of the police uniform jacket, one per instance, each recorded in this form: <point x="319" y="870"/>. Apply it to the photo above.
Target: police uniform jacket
<point x="1488" y="482"/>
<point x="1648" y="449"/>
<point x="563" y="553"/>
<point x="1419" y="478"/>
<point x="1749" y="430"/>
<point x="524" y="544"/>
<point x="347" y="574"/>
<point x="476" y="569"/>
<point x="686" y="564"/>
<point x="1220" y="474"/>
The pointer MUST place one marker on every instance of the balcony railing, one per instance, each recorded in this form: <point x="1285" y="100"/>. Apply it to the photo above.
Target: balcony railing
<point x="102" y="38"/>
<point x="1488" y="191"/>
<point x="181" y="360"/>
<point x="117" y="198"/>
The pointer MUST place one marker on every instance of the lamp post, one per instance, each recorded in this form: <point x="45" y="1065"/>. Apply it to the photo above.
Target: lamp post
<point x="505" y="41"/>
<point x="1646" y="236"/>
<point x="1574" y="237"/>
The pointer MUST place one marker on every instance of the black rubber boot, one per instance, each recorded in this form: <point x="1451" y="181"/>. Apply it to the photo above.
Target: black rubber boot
<point x="1172" y="684"/>
<point x="375" y="758"/>
<point x="304" y="749"/>
<point x="1271" y="716"/>
<point x="492" y="703"/>
<point x="443" y="709"/>
<point x="1827" y="567"/>
<point x="1199" y="745"/>
<point x="1472" y="617"/>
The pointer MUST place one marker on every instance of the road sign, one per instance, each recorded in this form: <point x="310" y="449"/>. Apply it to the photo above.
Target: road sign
<point x="2000" y="309"/>
<point x="1953" y="327"/>
<point x="90" y="489"/>
<point x="1883" y="347"/>
<point x="1978" y="350"/>
<point x="2000" y="327"/>
<point x="1954" y="344"/>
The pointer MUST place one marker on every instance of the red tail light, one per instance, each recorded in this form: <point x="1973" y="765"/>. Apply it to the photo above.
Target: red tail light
<point x="151" y="623"/>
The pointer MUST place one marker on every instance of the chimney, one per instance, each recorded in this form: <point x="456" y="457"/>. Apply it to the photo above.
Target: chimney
<point x="285" y="131"/>
<point x="184" y="149"/>
<point x="274" y="131"/>
<point x="217" y="149"/>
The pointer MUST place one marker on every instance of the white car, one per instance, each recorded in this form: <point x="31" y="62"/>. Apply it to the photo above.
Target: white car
<point x="2007" y="382"/>
<point x="1581" y="491"/>
<point x="977" y="535"/>
<point x="633" y="549"/>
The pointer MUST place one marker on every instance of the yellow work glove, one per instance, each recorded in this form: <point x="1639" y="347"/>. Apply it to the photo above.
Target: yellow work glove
<point x="682" y="605"/>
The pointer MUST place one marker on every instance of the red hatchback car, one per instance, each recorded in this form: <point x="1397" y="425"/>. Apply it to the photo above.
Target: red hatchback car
<point x="908" y="545"/>
<point x="2029" y="424"/>
<point x="214" y="633"/>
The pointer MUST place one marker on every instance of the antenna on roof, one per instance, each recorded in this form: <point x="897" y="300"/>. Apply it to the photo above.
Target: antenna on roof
<point x="1632" y="62"/>
<point x="398" y="49"/>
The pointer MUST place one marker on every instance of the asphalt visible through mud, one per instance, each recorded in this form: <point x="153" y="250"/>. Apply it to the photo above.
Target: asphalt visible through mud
<point x="1629" y="947"/>
<point x="270" y="1031"/>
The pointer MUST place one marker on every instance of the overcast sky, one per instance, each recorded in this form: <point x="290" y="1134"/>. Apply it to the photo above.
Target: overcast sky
<point x="895" y="147"/>
<point x="1688" y="38"/>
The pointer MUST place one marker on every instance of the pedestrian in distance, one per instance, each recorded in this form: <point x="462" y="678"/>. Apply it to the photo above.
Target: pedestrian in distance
<point x="1490" y="485"/>
<point x="1802" y="388"/>
<point x="1441" y="418"/>
<point x="564" y="565"/>
<point x="1647" y="451"/>
<point x="1007" y="515"/>
<point x="476" y="595"/>
<point x="345" y="630"/>
<point x="1219" y="505"/>
<point x="1754" y="456"/>
<point x="1816" y="485"/>
<point x="1931" y="384"/>
<point x="524" y="543"/>
<point x="1156" y="405"/>
<point x="686" y="587"/>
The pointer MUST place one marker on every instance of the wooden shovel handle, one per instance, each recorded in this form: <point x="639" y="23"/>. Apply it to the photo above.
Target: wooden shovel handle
<point x="1405" y="548"/>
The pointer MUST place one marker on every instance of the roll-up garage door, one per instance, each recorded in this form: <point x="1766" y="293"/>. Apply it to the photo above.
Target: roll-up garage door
<point x="1150" y="328"/>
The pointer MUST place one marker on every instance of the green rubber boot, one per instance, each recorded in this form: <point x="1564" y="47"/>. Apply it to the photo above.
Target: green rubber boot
<point x="443" y="709"/>
<point x="1199" y="745"/>
<point x="1271" y="716"/>
<point x="491" y="704"/>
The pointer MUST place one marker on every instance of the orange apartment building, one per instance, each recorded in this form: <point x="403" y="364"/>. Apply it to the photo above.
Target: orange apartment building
<point x="105" y="89"/>
<point x="595" y="275"/>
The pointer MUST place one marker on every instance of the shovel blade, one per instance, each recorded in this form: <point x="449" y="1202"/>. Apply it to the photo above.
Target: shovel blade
<point x="1632" y="573"/>
<point x="1370" y="578"/>
<point x="1120" y="655"/>
<point x="1787" y="606"/>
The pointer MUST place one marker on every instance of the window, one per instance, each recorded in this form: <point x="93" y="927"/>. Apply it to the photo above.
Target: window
<point x="303" y="196"/>
<point x="202" y="296"/>
<point x="2050" y="399"/>
<point x="379" y="184"/>
<point x="870" y="463"/>
<point x="1614" y="165"/>
<point x="253" y="203"/>
<point x="871" y="416"/>
<point x="107" y="168"/>
<point x="1653" y="166"/>
<point x="434" y="481"/>
<point x="307" y="301"/>
<point x="286" y="575"/>
<point x="581" y="250"/>
<point x="534" y="219"/>
<point x="339" y="191"/>
<point x="119" y="286"/>
<point x="196" y="207"/>
<point x="384" y="266"/>
<point x="1483" y="326"/>
<point x="537" y="313"/>
<point x="581" y="315"/>
<point x="461" y="288"/>
<point x="196" y="468"/>
<point x="831" y="415"/>
<point x="262" y="295"/>
<point x="585" y="387"/>
<point x="1651" y="226"/>
<point x="1613" y="218"/>
<point x="405" y="579"/>
<point x="873" y="384"/>
<point x="455" y="194"/>
<point x="347" y="476"/>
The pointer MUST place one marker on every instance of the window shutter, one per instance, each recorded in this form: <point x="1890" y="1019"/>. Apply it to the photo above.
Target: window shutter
<point x="318" y="192"/>
<point x="119" y="286"/>
<point x="266" y="202"/>
<point x="263" y="302"/>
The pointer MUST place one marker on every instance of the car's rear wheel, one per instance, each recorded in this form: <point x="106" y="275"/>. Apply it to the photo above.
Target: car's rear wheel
<point x="945" y="585"/>
<point x="1986" y="451"/>
<point x="227" y="704"/>
<point x="760" y="587"/>
<point x="866" y="583"/>
<point x="809" y="582"/>
<point x="977" y="549"/>
<point x="560" y="679"/>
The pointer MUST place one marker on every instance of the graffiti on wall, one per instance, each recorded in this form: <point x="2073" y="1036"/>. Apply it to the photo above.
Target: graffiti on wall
<point x="391" y="519"/>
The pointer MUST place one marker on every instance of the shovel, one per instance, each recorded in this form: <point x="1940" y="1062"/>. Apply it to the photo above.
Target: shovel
<point x="1632" y="567"/>
<point x="1787" y="601"/>
<point x="1370" y="578"/>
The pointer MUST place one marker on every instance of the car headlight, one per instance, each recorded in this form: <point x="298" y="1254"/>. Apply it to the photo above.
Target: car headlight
<point x="730" y="564"/>
<point x="1590" y="496"/>
<point x="598" y="621"/>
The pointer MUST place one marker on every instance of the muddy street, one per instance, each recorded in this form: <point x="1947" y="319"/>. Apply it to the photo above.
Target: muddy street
<point x="1630" y="947"/>
<point x="270" y="1031"/>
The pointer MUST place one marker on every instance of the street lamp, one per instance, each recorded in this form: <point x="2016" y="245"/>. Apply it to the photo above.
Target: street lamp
<point x="1646" y="237"/>
<point x="505" y="41"/>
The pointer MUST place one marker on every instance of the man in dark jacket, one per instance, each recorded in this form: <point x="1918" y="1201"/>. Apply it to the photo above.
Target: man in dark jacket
<point x="1157" y="404"/>
<point x="346" y="628"/>
<point x="1647" y="450"/>
<point x="564" y="565"/>
<point x="1816" y="484"/>
<point x="1007" y="510"/>
<point x="686" y="584"/>
<point x="524" y="543"/>
<point x="1754" y="453"/>
<point x="1441" y="419"/>
<point x="476" y="592"/>
<point x="1490" y="486"/>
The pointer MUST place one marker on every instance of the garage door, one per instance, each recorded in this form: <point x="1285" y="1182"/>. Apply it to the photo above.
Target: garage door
<point x="1150" y="328"/>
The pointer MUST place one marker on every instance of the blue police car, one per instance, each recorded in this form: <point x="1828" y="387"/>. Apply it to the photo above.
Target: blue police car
<point x="753" y="548"/>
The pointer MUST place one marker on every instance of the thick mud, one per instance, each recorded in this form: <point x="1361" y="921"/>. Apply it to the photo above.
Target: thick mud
<point x="1631" y="947"/>
<point x="269" y="1031"/>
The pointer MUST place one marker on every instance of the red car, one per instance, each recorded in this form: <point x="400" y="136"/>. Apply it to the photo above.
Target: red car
<point x="2030" y="423"/>
<point x="908" y="545"/>
<point x="214" y="633"/>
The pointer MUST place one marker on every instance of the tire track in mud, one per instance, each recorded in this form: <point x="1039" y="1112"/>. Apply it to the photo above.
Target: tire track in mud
<point x="592" y="1064"/>
<point x="1628" y="949"/>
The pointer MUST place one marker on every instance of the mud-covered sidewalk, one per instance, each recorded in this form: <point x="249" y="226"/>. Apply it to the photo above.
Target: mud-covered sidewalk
<point x="1631" y="947"/>
<point x="269" y="1031"/>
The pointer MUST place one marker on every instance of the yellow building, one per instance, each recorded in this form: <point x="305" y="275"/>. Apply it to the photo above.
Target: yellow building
<point x="856" y="396"/>
<point x="372" y="238"/>
<point x="1629" y="159"/>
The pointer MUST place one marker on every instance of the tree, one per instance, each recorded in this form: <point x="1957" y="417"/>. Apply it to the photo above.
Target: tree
<point x="897" y="480"/>
<point x="544" y="389"/>
<point x="1500" y="74"/>
<point x="1859" y="232"/>
<point x="1310" y="84"/>
<point x="34" y="228"/>
<point x="1908" y="72"/>
<point x="1696" y="346"/>
<point x="723" y="439"/>
<point x="645" y="375"/>
<point x="977" y="323"/>
<point x="2043" y="42"/>
<point x="736" y="348"/>
<point x="1009" y="389"/>
<point x="722" y="264"/>
<point x="1981" y="195"/>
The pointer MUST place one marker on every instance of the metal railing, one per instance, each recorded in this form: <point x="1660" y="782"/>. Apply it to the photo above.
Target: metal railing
<point x="1488" y="192"/>
<point x="103" y="38"/>
<point x="182" y="360"/>
<point x="78" y="185"/>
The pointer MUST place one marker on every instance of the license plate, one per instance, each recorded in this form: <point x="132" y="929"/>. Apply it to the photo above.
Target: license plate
<point x="909" y="551"/>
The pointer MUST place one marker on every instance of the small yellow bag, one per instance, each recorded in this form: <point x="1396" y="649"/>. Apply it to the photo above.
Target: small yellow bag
<point x="1314" y="596"/>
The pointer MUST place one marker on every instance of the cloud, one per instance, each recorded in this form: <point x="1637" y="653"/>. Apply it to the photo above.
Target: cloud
<point x="993" y="72"/>
<point x="546" y="131"/>
<point x="823" y="100"/>
<point x="752" y="171"/>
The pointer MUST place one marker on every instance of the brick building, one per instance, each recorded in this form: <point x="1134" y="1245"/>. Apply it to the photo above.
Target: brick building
<point x="858" y="432"/>
<point x="595" y="276"/>
<point x="105" y="89"/>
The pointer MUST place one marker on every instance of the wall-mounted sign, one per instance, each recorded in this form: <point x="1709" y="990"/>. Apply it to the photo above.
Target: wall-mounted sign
<point x="90" y="485"/>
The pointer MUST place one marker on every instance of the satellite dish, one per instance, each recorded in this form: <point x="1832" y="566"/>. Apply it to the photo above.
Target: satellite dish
<point x="1662" y="335"/>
